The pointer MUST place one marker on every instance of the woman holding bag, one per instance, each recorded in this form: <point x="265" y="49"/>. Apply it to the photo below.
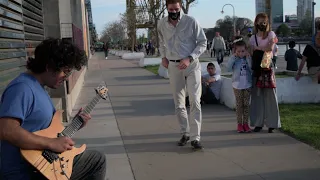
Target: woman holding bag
<point x="264" y="104"/>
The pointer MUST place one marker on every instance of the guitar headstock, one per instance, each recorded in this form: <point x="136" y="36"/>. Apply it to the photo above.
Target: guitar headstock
<point x="102" y="91"/>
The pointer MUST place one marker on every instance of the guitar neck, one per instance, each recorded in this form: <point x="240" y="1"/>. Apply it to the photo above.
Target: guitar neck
<point x="77" y="121"/>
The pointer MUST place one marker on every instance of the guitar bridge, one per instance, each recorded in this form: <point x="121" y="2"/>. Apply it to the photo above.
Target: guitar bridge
<point x="50" y="156"/>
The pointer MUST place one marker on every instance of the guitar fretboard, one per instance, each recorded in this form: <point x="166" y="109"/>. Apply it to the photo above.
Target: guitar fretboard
<point x="77" y="121"/>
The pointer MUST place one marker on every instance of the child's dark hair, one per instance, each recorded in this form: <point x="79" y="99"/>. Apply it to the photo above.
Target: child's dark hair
<point x="238" y="41"/>
<point x="292" y="44"/>
<point x="56" y="54"/>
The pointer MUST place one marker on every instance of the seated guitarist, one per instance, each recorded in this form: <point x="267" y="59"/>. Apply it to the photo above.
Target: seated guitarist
<point x="26" y="107"/>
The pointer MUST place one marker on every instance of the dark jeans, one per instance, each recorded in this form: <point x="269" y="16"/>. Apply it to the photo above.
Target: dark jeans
<point x="90" y="165"/>
<point x="274" y="60"/>
<point x="106" y="53"/>
<point x="220" y="55"/>
<point x="208" y="96"/>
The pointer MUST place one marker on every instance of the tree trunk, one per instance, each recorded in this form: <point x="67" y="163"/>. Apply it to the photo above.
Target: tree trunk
<point x="187" y="8"/>
<point x="157" y="36"/>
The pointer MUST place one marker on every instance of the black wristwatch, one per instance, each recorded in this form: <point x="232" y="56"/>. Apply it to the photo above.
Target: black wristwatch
<point x="191" y="58"/>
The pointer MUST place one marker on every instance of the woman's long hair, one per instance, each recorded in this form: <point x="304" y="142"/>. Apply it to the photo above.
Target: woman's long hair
<point x="265" y="17"/>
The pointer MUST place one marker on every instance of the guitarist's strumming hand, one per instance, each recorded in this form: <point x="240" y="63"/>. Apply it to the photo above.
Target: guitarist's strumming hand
<point x="84" y="116"/>
<point x="61" y="144"/>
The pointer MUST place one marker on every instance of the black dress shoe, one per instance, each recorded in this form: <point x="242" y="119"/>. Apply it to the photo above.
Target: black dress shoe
<point x="196" y="145"/>
<point x="184" y="140"/>
<point x="270" y="130"/>
<point x="257" y="129"/>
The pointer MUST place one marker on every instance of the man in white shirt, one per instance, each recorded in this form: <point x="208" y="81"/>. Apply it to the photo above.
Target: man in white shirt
<point x="182" y="41"/>
<point x="219" y="46"/>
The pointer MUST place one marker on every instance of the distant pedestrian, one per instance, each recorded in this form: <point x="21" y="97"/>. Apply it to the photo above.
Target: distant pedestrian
<point x="182" y="41"/>
<point x="275" y="55"/>
<point x="219" y="47"/>
<point x="291" y="56"/>
<point x="106" y="49"/>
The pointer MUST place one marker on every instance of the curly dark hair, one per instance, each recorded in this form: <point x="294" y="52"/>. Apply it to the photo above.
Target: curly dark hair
<point x="56" y="54"/>
<point x="239" y="42"/>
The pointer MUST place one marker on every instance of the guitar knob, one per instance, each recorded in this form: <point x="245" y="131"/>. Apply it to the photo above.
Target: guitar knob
<point x="62" y="159"/>
<point x="63" y="173"/>
<point x="63" y="166"/>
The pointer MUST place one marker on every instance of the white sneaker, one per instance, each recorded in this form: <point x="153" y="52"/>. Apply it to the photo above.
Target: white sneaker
<point x="106" y="57"/>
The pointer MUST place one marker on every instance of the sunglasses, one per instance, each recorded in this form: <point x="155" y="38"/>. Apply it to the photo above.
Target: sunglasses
<point x="68" y="73"/>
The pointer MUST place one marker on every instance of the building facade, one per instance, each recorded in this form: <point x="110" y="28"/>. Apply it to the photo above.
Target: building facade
<point x="21" y="31"/>
<point x="25" y="23"/>
<point x="303" y="7"/>
<point x="276" y="11"/>
<point x="92" y="27"/>
<point x="260" y="6"/>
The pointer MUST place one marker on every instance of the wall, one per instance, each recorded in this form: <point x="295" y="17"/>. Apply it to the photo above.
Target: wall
<point x="76" y="13"/>
<point x="51" y="19"/>
<point x="21" y="31"/>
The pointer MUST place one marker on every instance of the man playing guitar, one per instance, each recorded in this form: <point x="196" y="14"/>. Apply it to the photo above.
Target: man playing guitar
<point x="26" y="107"/>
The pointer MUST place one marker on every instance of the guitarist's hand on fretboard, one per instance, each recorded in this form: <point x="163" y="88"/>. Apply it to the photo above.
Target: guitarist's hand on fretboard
<point x="84" y="117"/>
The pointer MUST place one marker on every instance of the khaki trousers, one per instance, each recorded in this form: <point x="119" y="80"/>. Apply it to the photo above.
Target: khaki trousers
<point x="314" y="73"/>
<point x="181" y="80"/>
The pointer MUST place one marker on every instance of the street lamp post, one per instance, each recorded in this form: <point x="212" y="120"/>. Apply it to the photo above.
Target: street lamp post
<point x="313" y="20"/>
<point x="234" y="20"/>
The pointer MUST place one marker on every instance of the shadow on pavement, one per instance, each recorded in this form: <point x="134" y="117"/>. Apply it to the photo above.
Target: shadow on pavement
<point x="101" y="144"/>
<point x="139" y="78"/>
<point x="300" y="174"/>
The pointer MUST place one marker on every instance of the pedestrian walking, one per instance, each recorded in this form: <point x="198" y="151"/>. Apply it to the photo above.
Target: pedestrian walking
<point x="106" y="49"/>
<point x="182" y="41"/>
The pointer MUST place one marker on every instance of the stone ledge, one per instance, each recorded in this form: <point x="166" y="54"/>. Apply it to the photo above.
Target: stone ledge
<point x="163" y="72"/>
<point x="132" y="56"/>
<point x="149" y="61"/>
<point x="288" y="90"/>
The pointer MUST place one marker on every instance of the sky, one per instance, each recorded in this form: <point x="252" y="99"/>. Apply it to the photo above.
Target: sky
<point x="207" y="12"/>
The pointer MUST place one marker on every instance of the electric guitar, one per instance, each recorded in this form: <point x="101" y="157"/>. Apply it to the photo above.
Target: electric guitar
<point x="55" y="166"/>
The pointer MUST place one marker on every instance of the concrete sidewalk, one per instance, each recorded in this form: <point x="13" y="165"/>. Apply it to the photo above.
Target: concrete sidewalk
<point x="142" y="109"/>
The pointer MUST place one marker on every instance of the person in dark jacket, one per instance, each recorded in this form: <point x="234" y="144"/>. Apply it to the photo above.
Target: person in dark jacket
<point x="291" y="56"/>
<point x="106" y="49"/>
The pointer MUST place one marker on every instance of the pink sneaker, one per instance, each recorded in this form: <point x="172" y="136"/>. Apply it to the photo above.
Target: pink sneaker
<point x="240" y="128"/>
<point x="246" y="128"/>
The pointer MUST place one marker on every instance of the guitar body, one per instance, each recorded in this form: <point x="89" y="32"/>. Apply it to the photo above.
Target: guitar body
<point x="60" y="169"/>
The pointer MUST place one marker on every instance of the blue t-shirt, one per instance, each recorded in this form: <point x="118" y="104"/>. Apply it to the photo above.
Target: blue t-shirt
<point x="24" y="99"/>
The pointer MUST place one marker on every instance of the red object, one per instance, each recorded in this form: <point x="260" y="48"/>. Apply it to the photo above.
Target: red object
<point x="266" y="79"/>
<point x="246" y="128"/>
<point x="240" y="128"/>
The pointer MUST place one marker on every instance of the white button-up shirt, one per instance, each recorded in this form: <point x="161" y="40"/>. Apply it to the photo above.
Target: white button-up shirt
<point x="185" y="39"/>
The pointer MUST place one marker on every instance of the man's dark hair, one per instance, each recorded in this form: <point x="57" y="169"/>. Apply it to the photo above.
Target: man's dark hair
<point x="173" y="2"/>
<point x="56" y="54"/>
<point x="318" y="28"/>
<point x="211" y="64"/>
<point x="292" y="44"/>
<point x="238" y="41"/>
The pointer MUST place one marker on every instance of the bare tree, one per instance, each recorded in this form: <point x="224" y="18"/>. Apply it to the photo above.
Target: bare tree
<point x="155" y="9"/>
<point x="129" y="20"/>
<point x="186" y="4"/>
<point x="113" y="32"/>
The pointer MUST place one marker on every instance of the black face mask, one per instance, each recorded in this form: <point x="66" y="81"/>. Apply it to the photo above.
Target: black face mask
<point x="174" y="15"/>
<point x="261" y="27"/>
